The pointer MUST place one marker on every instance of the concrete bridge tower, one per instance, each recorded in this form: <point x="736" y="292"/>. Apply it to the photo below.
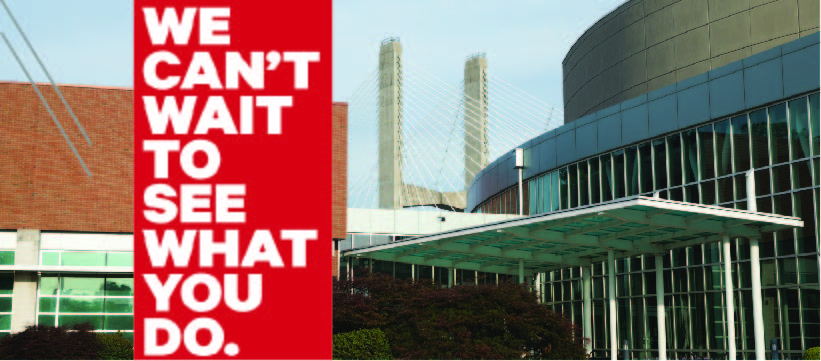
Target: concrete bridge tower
<point x="476" y="115"/>
<point x="390" y="124"/>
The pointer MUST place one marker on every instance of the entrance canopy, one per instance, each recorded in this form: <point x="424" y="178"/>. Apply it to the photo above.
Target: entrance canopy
<point x="579" y="237"/>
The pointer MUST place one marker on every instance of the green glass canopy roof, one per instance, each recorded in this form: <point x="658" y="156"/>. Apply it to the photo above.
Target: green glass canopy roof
<point x="580" y="236"/>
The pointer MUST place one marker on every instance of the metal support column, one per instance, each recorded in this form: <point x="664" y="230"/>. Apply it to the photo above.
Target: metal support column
<point x="662" y="325"/>
<point x="413" y="272"/>
<point x="587" y="308"/>
<point x="521" y="271"/>
<point x="728" y="291"/>
<point x="450" y="277"/>
<point x="611" y="294"/>
<point x="755" y="274"/>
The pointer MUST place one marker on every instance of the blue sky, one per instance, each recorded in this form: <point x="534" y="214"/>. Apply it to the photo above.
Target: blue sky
<point x="90" y="41"/>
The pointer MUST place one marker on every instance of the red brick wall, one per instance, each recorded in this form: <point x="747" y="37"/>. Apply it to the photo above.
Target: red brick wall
<point x="340" y="169"/>
<point x="340" y="176"/>
<point x="42" y="184"/>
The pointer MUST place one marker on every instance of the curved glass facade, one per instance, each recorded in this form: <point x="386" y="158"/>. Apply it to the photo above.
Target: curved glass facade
<point x="705" y="164"/>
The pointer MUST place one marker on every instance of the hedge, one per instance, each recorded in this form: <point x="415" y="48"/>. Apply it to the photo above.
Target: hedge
<point x="362" y="345"/>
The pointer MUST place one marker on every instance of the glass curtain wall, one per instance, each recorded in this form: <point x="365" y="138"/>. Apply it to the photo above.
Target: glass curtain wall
<point x="707" y="165"/>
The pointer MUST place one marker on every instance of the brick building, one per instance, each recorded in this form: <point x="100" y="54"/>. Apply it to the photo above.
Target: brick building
<point x="66" y="245"/>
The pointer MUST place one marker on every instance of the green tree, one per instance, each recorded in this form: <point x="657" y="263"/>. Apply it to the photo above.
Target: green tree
<point x="422" y="320"/>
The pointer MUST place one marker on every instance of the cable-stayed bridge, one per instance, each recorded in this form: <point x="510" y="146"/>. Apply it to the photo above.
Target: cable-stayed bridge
<point x="417" y="141"/>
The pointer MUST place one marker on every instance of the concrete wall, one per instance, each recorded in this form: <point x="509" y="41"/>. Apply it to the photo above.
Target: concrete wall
<point x="645" y="45"/>
<point x="784" y="71"/>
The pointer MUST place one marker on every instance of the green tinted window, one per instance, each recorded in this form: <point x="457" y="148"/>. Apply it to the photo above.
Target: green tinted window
<point x="71" y="320"/>
<point x="46" y="320"/>
<point x="83" y="259"/>
<point x="48" y="304"/>
<point x="6" y="257"/>
<point x="82" y="285"/>
<point x="120" y="259"/>
<point x="5" y="322"/>
<point x="119" y="305"/>
<point x="49" y="285"/>
<point x="119" y="286"/>
<point x="119" y="322"/>
<point x="5" y="304"/>
<point x="51" y="259"/>
<point x="81" y="305"/>
<point x="6" y="283"/>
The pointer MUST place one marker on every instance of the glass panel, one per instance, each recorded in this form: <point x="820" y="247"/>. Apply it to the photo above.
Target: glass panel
<point x="801" y="175"/>
<point x="779" y="133"/>
<point x="50" y="258"/>
<point x="741" y="143"/>
<point x="533" y="192"/>
<point x="5" y="322"/>
<point x="799" y="129"/>
<point x="46" y="320"/>
<point x="762" y="182"/>
<point x="781" y="178"/>
<point x="120" y="259"/>
<point x="83" y="259"/>
<point x="725" y="190"/>
<point x="5" y="304"/>
<point x="48" y="304"/>
<point x="7" y="258"/>
<point x="708" y="192"/>
<point x="607" y="178"/>
<point x="584" y="198"/>
<point x="785" y="243"/>
<point x="646" y="168"/>
<point x="782" y="204"/>
<point x="554" y="191"/>
<point x="362" y="240"/>
<point x="377" y="239"/>
<point x="70" y="320"/>
<point x="82" y="286"/>
<point x="804" y="209"/>
<point x="815" y="132"/>
<point x="690" y="155"/>
<point x="563" y="196"/>
<point x="632" y="171"/>
<point x="618" y="174"/>
<point x="117" y="322"/>
<point x="6" y="284"/>
<point x="660" y="164"/>
<point x="119" y="286"/>
<point x="691" y="193"/>
<point x="807" y="269"/>
<point x="676" y="194"/>
<point x="809" y="309"/>
<point x="595" y="185"/>
<point x="49" y="285"/>
<point x="80" y="305"/>
<point x="573" y="192"/>
<point x="760" y="144"/>
<point x="724" y="154"/>
<point x="706" y="158"/>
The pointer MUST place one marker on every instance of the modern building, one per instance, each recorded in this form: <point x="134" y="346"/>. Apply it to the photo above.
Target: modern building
<point x="66" y="239"/>
<point x="676" y="211"/>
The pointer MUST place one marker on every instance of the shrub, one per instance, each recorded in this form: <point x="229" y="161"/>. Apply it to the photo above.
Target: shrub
<point x="422" y="320"/>
<point x="362" y="345"/>
<point x="51" y="343"/>
<point x="113" y="346"/>
<point x="812" y="354"/>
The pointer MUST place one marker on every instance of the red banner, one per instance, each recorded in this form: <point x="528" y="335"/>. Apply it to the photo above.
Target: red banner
<point x="232" y="181"/>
